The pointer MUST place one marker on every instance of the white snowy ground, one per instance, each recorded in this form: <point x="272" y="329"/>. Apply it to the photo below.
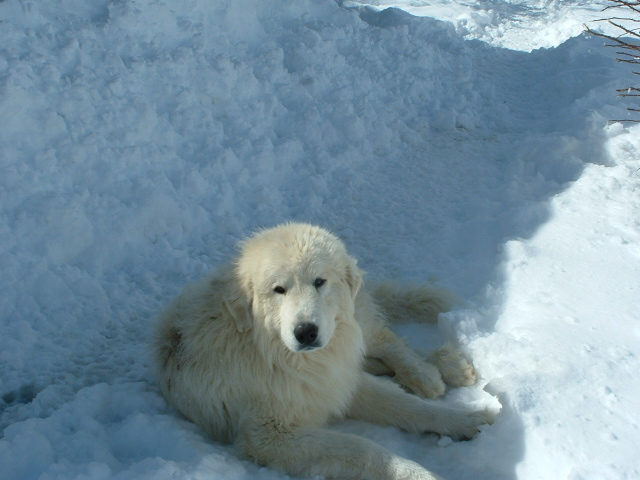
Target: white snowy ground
<point x="141" y="139"/>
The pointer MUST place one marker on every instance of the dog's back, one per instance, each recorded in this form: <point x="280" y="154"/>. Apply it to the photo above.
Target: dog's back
<point x="193" y="337"/>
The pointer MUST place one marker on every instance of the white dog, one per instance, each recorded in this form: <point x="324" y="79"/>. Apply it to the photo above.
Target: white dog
<point x="266" y="352"/>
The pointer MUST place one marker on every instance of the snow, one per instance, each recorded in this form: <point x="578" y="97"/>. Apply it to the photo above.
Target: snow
<point x="468" y="144"/>
<point x="516" y="24"/>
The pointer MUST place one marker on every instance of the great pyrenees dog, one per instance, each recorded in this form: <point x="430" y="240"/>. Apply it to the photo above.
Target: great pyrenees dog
<point x="269" y="350"/>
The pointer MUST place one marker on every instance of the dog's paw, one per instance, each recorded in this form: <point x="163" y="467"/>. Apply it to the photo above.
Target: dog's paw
<point x="474" y="420"/>
<point x="461" y="375"/>
<point x="403" y="469"/>
<point x="454" y="367"/>
<point x="461" y="425"/>
<point x="423" y="380"/>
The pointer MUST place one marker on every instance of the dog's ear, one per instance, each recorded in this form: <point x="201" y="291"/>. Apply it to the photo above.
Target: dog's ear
<point x="353" y="276"/>
<point x="238" y="306"/>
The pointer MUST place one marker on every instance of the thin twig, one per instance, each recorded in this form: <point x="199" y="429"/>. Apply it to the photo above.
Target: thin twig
<point x="622" y="4"/>
<point x="623" y="28"/>
<point x="627" y="51"/>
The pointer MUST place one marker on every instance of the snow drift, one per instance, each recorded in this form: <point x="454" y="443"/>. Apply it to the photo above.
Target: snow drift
<point x="142" y="139"/>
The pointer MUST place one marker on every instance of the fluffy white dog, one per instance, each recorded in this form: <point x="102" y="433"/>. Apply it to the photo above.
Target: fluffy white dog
<point x="267" y="351"/>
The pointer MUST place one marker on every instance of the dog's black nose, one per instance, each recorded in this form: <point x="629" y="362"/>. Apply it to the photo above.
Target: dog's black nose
<point x="306" y="334"/>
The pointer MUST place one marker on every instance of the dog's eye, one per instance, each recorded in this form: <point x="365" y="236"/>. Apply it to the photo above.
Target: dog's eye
<point x="280" y="290"/>
<point x="318" y="282"/>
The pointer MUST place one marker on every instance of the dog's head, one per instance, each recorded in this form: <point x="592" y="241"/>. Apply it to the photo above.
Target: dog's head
<point x="296" y="281"/>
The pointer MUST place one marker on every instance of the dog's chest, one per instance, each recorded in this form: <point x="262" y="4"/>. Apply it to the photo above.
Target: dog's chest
<point x="320" y="385"/>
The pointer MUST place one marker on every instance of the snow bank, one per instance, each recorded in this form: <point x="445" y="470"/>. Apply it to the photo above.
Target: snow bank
<point x="516" y="24"/>
<point x="142" y="139"/>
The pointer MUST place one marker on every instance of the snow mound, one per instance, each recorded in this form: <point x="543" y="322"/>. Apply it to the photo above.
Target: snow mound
<point x="142" y="139"/>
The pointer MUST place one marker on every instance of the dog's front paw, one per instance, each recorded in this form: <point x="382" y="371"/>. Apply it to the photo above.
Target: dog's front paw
<point x="423" y="380"/>
<point x="454" y="367"/>
<point x="463" y="425"/>
<point x="403" y="469"/>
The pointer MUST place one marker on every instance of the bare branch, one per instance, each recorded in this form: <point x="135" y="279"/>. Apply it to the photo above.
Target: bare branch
<point x="629" y="89"/>
<point x="634" y="56"/>
<point x="624" y="29"/>
<point x="635" y="6"/>
<point x="633" y="62"/>
<point x="617" y="40"/>
<point x="628" y="30"/>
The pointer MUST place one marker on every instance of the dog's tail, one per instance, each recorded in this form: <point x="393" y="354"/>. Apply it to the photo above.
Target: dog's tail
<point x="403" y="304"/>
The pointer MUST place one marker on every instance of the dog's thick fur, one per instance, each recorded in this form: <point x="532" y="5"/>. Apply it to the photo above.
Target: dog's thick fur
<point x="268" y="351"/>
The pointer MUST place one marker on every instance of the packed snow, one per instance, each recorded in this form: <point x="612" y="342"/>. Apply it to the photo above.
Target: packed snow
<point x="467" y="144"/>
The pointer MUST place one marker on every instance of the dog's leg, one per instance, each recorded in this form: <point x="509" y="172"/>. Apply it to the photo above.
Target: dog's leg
<point x="408" y="368"/>
<point x="303" y="451"/>
<point x="381" y="401"/>
<point x="392" y="356"/>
